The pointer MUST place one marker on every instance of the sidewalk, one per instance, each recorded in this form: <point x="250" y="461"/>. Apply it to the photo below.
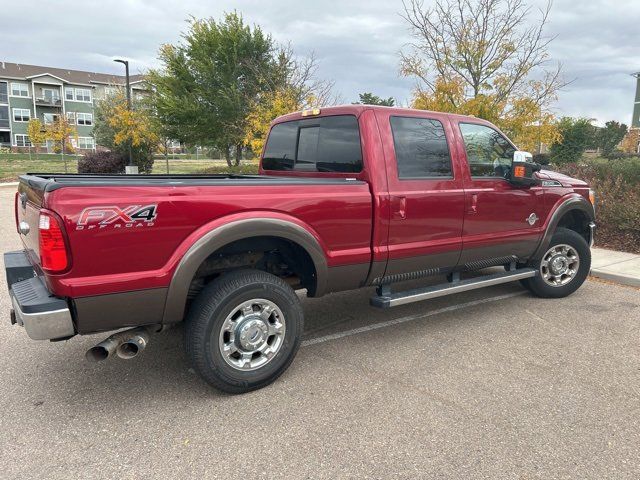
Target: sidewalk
<point x="616" y="266"/>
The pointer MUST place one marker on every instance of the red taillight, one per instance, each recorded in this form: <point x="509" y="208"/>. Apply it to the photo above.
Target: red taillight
<point x="53" y="249"/>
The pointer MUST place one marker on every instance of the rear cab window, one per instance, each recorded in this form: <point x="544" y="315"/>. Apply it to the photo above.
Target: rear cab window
<point x="421" y="148"/>
<point x="324" y="144"/>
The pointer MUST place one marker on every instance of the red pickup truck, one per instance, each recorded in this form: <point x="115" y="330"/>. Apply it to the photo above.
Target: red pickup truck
<point x="347" y="197"/>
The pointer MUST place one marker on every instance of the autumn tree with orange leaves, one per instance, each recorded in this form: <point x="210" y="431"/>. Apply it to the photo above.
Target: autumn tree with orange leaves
<point x="116" y="127"/>
<point x="486" y="58"/>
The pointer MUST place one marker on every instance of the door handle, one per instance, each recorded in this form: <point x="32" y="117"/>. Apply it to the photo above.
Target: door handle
<point x="473" y="208"/>
<point x="399" y="207"/>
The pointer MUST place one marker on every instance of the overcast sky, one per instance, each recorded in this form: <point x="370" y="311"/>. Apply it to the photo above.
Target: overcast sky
<point x="357" y="42"/>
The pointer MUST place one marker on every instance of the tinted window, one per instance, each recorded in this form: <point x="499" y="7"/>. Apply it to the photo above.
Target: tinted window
<point x="308" y="147"/>
<point x="489" y="154"/>
<point x="326" y="144"/>
<point x="421" y="148"/>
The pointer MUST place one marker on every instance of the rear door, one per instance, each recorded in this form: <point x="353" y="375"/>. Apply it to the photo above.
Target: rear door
<point x="425" y="189"/>
<point x="500" y="219"/>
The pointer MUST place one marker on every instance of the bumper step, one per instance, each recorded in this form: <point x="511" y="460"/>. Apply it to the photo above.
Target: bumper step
<point x="449" y="288"/>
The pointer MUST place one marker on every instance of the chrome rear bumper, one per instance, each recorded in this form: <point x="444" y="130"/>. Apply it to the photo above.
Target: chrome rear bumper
<point x="42" y="315"/>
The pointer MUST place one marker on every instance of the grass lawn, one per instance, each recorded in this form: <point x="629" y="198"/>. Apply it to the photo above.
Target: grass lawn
<point x="16" y="164"/>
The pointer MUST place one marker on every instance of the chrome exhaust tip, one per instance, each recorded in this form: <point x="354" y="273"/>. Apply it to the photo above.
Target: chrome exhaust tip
<point x="133" y="346"/>
<point x="103" y="350"/>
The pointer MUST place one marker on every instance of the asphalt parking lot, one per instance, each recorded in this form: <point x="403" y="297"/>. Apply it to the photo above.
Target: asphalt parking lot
<point x="487" y="384"/>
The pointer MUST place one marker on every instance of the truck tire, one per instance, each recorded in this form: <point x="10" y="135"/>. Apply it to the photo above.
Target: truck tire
<point x="243" y="330"/>
<point x="563" y="268"/>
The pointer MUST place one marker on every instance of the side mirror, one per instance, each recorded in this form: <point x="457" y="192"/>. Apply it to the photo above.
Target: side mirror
<point x="523" y="168"/>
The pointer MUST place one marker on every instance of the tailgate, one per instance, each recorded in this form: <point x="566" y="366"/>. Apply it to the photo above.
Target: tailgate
<point x="29" y="201"/>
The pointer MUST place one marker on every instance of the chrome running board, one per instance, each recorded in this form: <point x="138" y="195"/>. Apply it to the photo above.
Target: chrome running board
<point x="388" y="299"/>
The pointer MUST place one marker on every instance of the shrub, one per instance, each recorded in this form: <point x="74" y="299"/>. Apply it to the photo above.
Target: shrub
<point x="617" y="186"/>
<point x="102" y="162"/>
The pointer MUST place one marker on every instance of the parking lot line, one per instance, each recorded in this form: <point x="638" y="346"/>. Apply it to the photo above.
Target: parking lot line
<point x="410" y="318"/>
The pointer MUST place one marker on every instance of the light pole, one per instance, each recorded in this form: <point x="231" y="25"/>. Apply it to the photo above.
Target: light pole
<point x="131" y="168"/>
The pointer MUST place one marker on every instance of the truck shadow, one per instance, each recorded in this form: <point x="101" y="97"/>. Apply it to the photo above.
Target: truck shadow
<point x="163" y="370"/>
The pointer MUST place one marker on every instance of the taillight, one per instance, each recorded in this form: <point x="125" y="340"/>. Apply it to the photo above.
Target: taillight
<point x="53" y="249"/>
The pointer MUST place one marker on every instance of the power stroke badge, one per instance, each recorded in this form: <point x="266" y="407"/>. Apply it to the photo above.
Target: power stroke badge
<point x="132" y="216"/>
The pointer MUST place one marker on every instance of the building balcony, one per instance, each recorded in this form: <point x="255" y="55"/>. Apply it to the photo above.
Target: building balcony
<point x="4" y="98"/>
<point x="4" y="123"/>
<point x="49" y="102"/>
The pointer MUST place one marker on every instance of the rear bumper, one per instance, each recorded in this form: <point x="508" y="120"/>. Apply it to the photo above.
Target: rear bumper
<point x="43" y="316"/>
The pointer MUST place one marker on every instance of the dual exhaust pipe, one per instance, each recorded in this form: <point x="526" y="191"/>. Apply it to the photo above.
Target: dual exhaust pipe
<point x="125" y="345"/>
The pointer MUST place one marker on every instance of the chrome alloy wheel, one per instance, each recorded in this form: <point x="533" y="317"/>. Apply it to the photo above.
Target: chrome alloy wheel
<point x="559" y="265"/>
<point x="252" y="334"/>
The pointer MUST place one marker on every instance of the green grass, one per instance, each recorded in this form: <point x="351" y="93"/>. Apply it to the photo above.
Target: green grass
<point x="15" y="164"/>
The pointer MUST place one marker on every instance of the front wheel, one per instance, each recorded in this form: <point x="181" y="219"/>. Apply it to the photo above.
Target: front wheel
<point x="563" y="268"/>
<point x="244" y="330"/>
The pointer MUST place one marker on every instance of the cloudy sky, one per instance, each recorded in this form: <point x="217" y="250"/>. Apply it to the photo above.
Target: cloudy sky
<point x="356" y="41"/>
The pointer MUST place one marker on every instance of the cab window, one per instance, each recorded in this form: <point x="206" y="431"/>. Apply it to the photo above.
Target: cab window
<point x="489" y="154"/>
<point x="421" y="148"/>
<point x="325" y="144"/>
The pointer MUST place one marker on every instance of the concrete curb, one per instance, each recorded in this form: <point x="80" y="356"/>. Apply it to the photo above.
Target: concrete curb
<point x="8" y="184"/>
<point x="616" y="277"/>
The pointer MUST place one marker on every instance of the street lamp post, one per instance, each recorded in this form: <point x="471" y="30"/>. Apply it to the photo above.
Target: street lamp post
<point x="131" y="168"/>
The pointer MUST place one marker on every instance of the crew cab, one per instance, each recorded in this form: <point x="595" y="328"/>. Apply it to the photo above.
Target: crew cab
<point x="346" y="197"/>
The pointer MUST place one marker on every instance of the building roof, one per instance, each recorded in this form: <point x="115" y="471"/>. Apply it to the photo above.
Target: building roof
<point x="28" y="72"/>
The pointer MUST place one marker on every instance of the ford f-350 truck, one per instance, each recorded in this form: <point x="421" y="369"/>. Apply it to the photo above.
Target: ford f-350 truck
<point x="346" y="197"/>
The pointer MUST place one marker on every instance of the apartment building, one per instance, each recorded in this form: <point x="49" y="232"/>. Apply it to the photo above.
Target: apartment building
<point x="30" y="91"/>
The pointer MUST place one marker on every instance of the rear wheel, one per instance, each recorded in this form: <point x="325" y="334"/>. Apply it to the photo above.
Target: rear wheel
<point x="564" y="266"/>
<point x="244" y="330"/>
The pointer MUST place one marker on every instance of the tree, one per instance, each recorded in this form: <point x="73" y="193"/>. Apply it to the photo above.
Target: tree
<point x="293" y="86"/>
<point x="36" y="132"/>
<point x="577" y="135"/>
<point x="273" y="105"/>
<point x="371" y="99"/>
<point x="223" y="77"/>
<point x="210" y="82"/>
<point x="484" y="58"/>
<point x="116" y="127"/>
<point x="610" y="136"/>
<point x="631" y="141"/>
<point x="61" y="131"/>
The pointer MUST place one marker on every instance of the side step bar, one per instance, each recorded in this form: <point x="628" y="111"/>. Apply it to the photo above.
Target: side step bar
<point x="416" y="295"/>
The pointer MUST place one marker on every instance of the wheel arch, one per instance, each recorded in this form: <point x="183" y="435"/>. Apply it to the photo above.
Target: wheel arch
<point x="235" y="231"/>
<point x="575" y="213"/>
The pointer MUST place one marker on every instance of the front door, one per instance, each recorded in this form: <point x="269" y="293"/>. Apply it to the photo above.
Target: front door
<point x="425" y="189"/>
<point x="501" y="219"/>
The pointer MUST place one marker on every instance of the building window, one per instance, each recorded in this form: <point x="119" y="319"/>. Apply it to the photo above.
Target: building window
<point x="4" y="117"/>
<point x="21" y="114"/>
<point x="84" y="118"/>
<point x="110" y="91"/>
<point x="49" y="118"/>
<point x="86" y="143"/>
<point x="68" y="93"/>
<point x="83" y="95"/>
<point x="71" y="118"/>
<point x="19" y="89"/>
<point x="4" y="97"/>
<point x="22" y="140"/>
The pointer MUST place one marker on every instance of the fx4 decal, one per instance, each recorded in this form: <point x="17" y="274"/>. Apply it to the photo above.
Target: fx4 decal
<point x="133" y="216"/>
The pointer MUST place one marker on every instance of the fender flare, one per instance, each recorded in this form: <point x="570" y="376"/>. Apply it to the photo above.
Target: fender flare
<point x="574" y="202"/>
<point x="225" y="234"/>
